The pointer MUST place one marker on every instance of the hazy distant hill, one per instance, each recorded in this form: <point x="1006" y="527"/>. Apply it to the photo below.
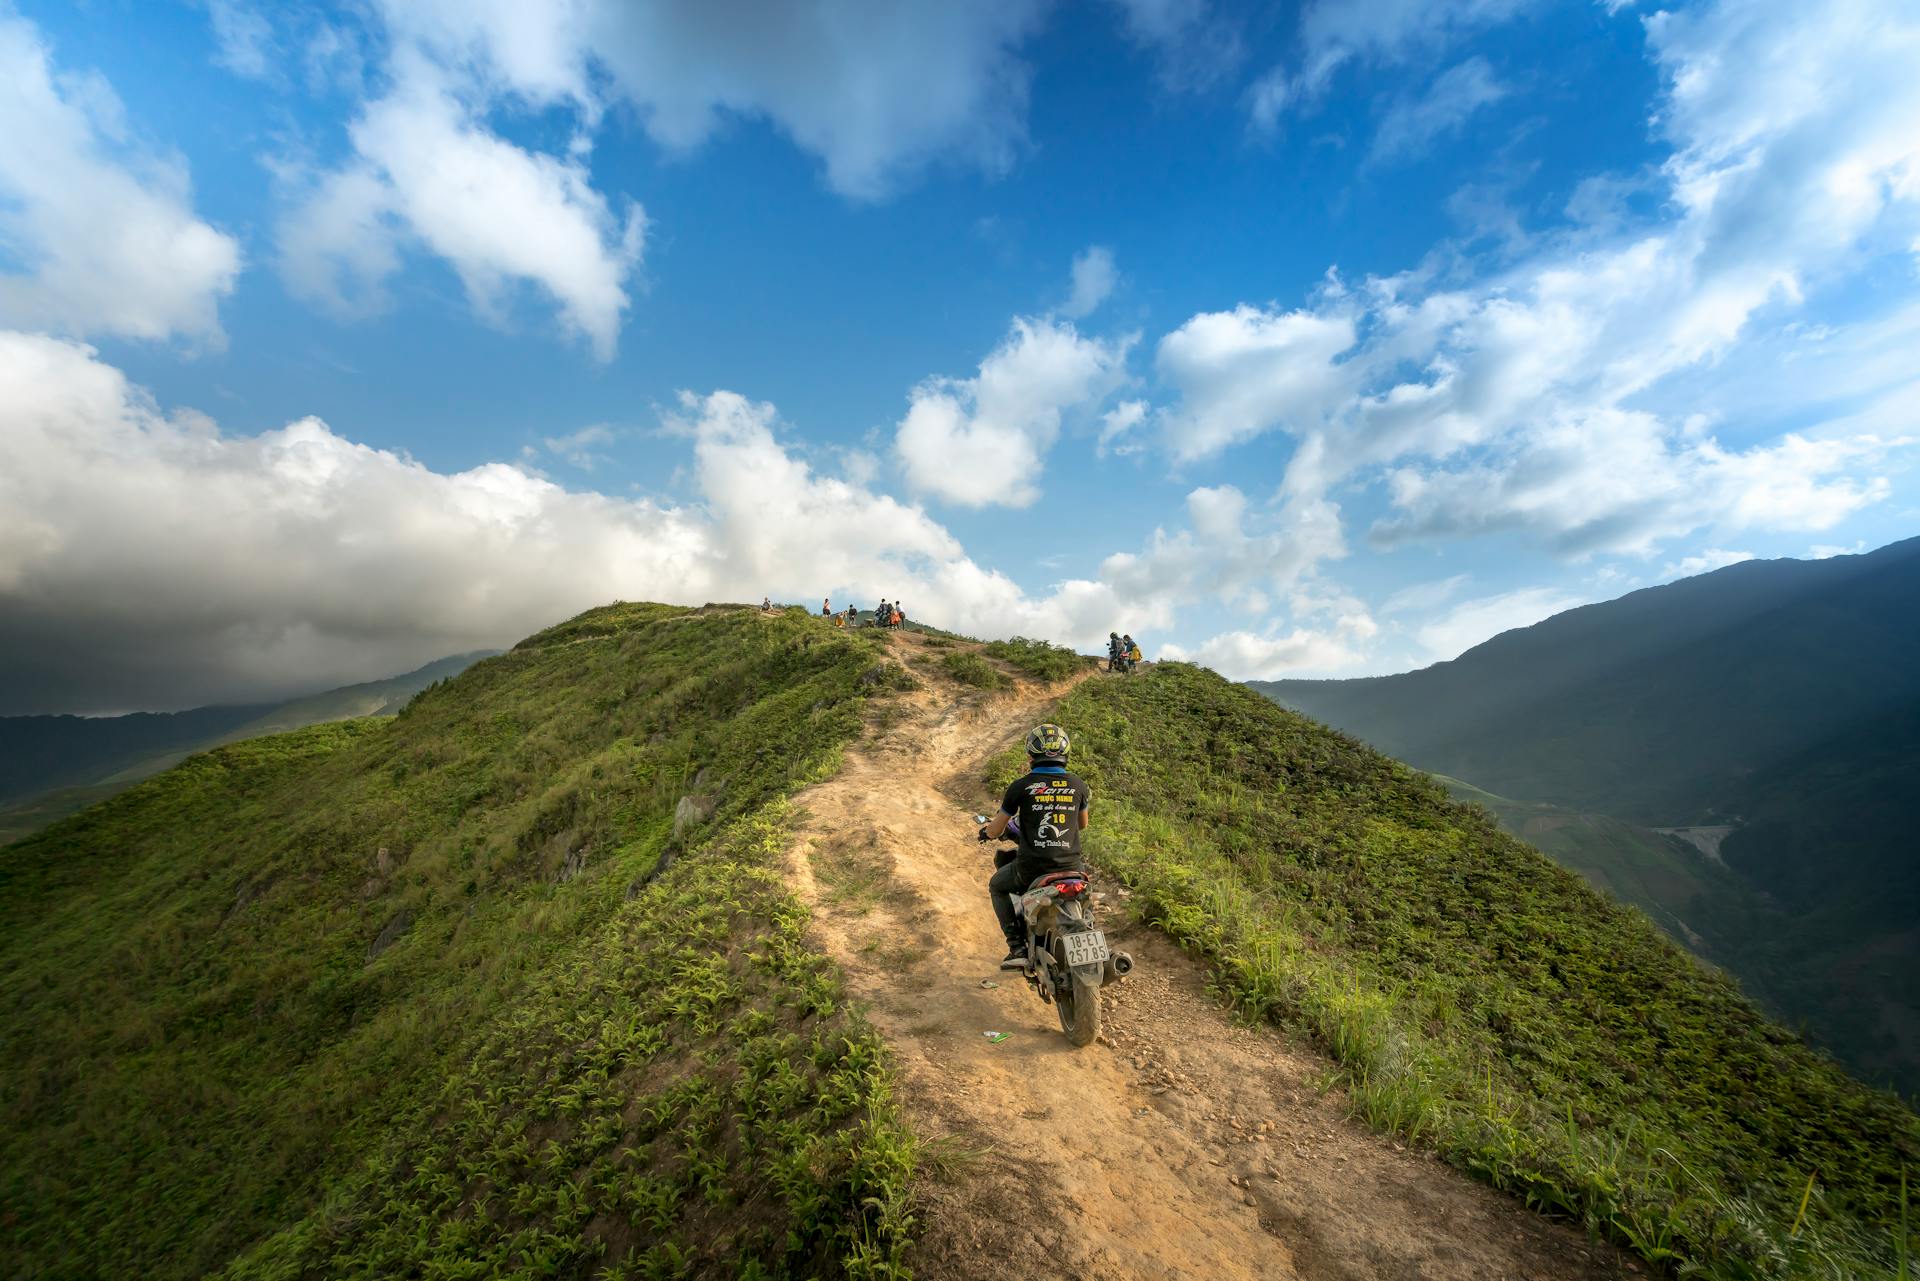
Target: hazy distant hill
<point x="51" y="766"/>
<point x="1657" y="707"/>
<point x="1780" y="699"/>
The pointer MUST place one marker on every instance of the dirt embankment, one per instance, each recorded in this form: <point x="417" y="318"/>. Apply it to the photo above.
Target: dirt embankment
<point x="1180" y="1144"/>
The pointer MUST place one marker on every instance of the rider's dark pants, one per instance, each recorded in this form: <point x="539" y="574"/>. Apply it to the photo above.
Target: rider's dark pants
<point x="1012" y="878"/>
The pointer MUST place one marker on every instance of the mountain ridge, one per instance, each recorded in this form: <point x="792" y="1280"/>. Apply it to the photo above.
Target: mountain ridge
<point x="1730" y="699"/>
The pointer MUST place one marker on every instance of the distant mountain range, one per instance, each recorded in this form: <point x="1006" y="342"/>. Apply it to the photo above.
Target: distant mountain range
<point x="52" y="766"/>
<point x="1737" y="753"/>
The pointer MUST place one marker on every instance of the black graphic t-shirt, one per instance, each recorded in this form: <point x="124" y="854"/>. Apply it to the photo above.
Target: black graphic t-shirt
<point x="1048" y="803"/>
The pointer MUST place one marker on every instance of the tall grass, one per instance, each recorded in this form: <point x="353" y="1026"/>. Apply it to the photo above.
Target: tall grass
<point x="204" y="1043"/>
<point x="1480" y="999"/>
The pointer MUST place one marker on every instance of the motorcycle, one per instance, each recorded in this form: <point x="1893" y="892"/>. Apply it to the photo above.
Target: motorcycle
<point x="1068" y="958"/>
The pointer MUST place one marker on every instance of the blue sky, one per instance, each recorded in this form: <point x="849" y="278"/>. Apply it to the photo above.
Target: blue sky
<point x="1325" y="340"/>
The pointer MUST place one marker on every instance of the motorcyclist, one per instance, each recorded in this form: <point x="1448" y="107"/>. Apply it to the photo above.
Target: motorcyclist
<point x="1113" y="651"/>
<point x="1051" y="808"/>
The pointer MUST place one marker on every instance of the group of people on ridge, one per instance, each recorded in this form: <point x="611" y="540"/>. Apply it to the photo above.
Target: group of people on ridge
<point x="1122" y="652"/>
<point x="887" y="615"/>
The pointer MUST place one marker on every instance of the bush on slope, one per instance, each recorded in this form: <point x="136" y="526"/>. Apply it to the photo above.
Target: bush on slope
<point x="1479" y="997"/>
<point x="227" y="991"/>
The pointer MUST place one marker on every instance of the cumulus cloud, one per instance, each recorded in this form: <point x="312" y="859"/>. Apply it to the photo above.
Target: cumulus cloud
<point x="428" y="171"/>
<point x="1227" y="553"/>
<point x="1411" y="124"/>
<point x="1247" y="371"/>
<point x="876" y="89"/>
<point x="150" y="560"/>
<point x="1251" y="656"/>
<point x="1093" y="280"/>
<point x="983" y="441"/>
<point x="1471" y="622"/>
<point x="100" y="232"/>
<point x="1538" y="398"/>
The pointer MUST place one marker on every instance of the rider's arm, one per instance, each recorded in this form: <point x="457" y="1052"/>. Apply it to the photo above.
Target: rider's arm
<point x="1083" y="818"/>
<point x="997" y="825"/>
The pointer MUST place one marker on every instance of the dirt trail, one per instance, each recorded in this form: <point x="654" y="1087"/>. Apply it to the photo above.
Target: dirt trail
<point x="1180" y="1144"/>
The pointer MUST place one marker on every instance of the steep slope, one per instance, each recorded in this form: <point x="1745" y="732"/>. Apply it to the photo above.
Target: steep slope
<point x="1829" y="837"/>
<point x="406" y="996"/>
<point x="52" y="766"/>
<point x="1481" y="998"/>
<point x="1664" y="875"/>
<point x="1770" y="699"/>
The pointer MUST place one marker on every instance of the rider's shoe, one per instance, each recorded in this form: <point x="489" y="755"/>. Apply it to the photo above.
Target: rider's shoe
<point x="1016" y="957"/>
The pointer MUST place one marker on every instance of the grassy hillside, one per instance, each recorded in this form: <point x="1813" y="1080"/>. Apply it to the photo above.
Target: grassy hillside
<point x="1481" y="998"/>
<point x="408" y="996"/>
<point x="1777" y="698"/>
<point x="1664" y="876"/>
<point x="53" y="766"/>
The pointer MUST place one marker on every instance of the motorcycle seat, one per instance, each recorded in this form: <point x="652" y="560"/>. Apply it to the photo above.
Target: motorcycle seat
<point x="1054" y="878"/>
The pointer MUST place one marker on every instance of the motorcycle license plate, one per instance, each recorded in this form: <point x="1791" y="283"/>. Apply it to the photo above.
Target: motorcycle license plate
<point x="1086" y="948"/>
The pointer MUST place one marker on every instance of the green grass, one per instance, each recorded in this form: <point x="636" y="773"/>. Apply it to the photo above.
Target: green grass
<point x="1477" y="997"/>
<point x="970" y="669"/>
<point x="206" y="1062"/>
<point x="1037" y="658"/>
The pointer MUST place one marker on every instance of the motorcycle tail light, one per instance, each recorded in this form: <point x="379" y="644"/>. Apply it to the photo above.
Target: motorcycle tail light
<point x="1070" y="888"/>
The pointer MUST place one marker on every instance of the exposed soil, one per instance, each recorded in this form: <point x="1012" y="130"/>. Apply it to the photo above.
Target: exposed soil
<point x="1180" y="1144"/>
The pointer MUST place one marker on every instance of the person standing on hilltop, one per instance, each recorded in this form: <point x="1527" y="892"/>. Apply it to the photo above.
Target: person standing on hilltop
<point x="1051" y="806"/>
<point x="826" y="607"/>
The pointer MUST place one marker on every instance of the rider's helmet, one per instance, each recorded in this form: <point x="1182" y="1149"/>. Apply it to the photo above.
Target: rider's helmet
<point x="1048" y="743"/>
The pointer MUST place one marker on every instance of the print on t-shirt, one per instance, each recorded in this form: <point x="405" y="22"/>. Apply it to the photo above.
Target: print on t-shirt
<point x="1048" y="807"/>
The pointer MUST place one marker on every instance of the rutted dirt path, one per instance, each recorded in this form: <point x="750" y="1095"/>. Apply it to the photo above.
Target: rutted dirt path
<point x="1180" y="1144"/>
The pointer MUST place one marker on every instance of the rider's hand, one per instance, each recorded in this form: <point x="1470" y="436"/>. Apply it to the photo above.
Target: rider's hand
<point x="981" y="836"/>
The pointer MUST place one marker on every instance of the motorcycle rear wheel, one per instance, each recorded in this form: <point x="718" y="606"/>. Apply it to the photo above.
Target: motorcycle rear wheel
<point x="1078" y="1004"/>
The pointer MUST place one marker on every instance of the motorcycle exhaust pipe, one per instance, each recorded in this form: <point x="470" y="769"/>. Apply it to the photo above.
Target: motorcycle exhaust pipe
<point x="1121" y="964"/>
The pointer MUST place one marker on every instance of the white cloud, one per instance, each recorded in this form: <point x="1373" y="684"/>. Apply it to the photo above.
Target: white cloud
<point x="1827" y="551"/>
<point x="1410" y="124"/>
<point x="1115" y="425"/>
<point x="1197" y="47"/>
<point x="1471" y="622"/>
<point x="1558" y="396"/>
<point x="1093" y="280"/>
<point x="429" y="172"/>
<point x="149" y="559"/>
<point x="1247" y="371"/>
<point x="101" y="234"/>
<point x="1226" y="554"/>
<point x="1423" y="597"/>
<point x="982" y="441"/>
<point x="1334" y="33"/>
<point x="877" y="89"/>
<point x="243" y="39"/>
<point x="1331" y="649"/>
<point x="1703" y="562"/>
<point x="580" y="448"/>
